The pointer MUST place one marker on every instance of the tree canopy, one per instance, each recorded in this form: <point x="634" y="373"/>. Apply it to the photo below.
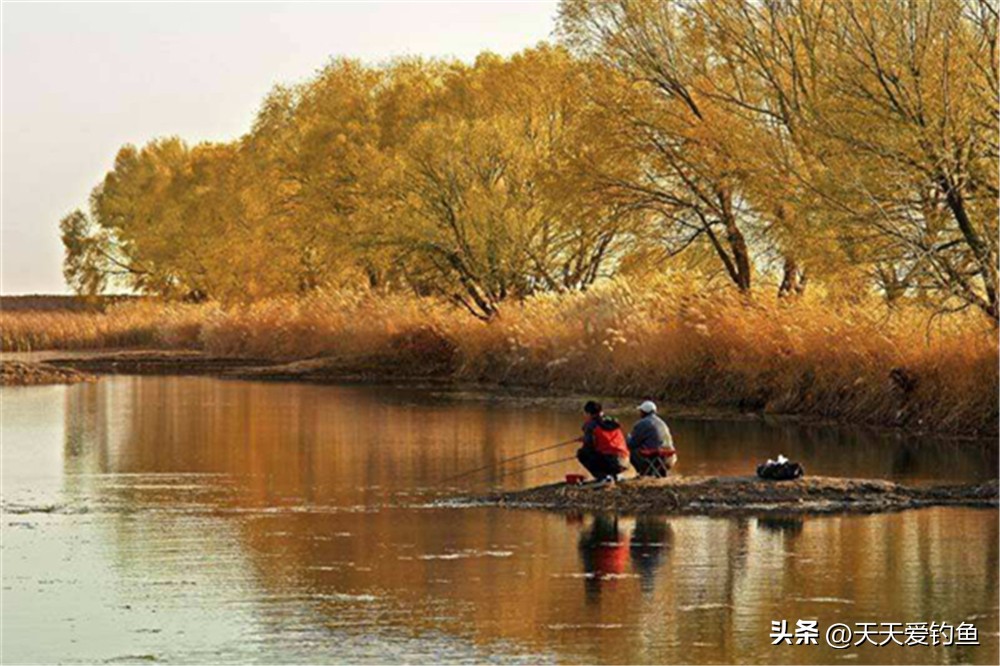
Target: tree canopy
<point x="850" y="144"/>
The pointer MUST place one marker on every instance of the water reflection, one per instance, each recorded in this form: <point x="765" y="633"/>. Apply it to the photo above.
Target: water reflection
<point x="607" y="549"/>
<point x="786" y="525"/>
<point x="294" y="434"/>
<point x="650" y="546"/>
<point x="242" y="521"/>
<point x="603" y="553"/>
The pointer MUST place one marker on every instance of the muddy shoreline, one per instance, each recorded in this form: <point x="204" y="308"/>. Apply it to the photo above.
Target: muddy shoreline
<point x="333" y="370"/>
<point x="19" y="373"/>
<point x="746" y="496"/>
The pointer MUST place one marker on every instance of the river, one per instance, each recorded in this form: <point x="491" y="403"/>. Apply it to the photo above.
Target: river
<point x="193" y="519"/>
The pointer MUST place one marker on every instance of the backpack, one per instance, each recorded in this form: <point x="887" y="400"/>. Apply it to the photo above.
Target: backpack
<point x="609" y="438"/>
<point x="784" y="470"/>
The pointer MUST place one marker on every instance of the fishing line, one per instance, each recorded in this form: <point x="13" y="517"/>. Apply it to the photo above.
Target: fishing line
<point x="528" y="469"/>
<point x="504" y="461"/>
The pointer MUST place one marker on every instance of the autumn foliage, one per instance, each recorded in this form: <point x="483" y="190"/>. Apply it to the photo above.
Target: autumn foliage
<point x="760" y="146"/>
<point x="781" y="205"/>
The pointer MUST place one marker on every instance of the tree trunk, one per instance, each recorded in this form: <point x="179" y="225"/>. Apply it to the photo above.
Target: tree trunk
<point x="741" y="257"/>
<point x="793" y="282"/>
<point x="737" y="244"/>
<point x="984" y="256"/>
<point x="735" y="256"/>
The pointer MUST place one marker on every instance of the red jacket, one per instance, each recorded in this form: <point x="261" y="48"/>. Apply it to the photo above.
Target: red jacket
<point x="605" y="436"/>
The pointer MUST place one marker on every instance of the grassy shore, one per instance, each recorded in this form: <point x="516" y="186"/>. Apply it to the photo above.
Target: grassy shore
<point x="855" y="363"/>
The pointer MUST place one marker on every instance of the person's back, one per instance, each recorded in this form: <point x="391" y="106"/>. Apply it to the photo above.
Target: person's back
<point x="650" y="432"/>
<point x="604" y="452"/>
<point x="650" y="443"/>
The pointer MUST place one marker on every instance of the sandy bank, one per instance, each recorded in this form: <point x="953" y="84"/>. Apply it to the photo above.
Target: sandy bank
<point x="748" y="495"/>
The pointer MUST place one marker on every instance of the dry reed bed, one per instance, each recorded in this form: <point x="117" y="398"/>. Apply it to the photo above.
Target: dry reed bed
<point x="140" y="324"/>
<point x="853" y="363"/>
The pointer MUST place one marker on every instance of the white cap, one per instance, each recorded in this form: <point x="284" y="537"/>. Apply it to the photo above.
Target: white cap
<point x="648" y="407"/>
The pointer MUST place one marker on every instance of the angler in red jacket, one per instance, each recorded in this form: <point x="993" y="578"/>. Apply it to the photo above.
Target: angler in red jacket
<point x="604" y="452"/>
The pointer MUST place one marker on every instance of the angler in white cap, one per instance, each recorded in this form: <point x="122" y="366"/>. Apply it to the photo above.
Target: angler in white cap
<point x="651" y="448"/>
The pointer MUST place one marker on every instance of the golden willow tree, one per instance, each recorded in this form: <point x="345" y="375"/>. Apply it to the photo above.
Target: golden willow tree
<point x="436" y="177"/>
<point x="679" y="145"/>
<point x="475" y="196"/>
<point x="854" y="133"/>
<point x="751" y="142"/>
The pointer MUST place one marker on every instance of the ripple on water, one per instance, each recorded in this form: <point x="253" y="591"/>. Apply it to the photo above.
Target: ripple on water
<point x="465" y="554"/>
<point x="345" y="597"/>
<point x="697" y="607"/>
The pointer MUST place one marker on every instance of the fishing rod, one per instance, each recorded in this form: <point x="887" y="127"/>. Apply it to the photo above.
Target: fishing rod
<point x="504" y="461"/>
<point x="528" y="469"/>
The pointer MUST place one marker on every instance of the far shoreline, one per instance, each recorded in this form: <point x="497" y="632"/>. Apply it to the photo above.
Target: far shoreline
<point x="72" y="366"/>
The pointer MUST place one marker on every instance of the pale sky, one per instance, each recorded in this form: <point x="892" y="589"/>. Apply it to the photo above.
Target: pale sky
<point x="80" y="79"/>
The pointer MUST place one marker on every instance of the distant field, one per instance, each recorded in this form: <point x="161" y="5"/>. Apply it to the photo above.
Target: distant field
<point x="52" y="302"/>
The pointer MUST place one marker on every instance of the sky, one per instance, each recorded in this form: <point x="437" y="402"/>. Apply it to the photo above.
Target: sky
<point x="78" y="80"/>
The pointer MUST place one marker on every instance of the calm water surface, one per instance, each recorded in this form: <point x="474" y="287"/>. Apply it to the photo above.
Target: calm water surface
<point x="189" y="519"/>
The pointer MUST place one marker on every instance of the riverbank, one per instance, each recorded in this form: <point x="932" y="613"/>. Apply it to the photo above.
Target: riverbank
<point x="375" y="370"/>
<point x="850" y="364"/>
<point x="746" y="495"/>
<point x="19" y="373"/>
